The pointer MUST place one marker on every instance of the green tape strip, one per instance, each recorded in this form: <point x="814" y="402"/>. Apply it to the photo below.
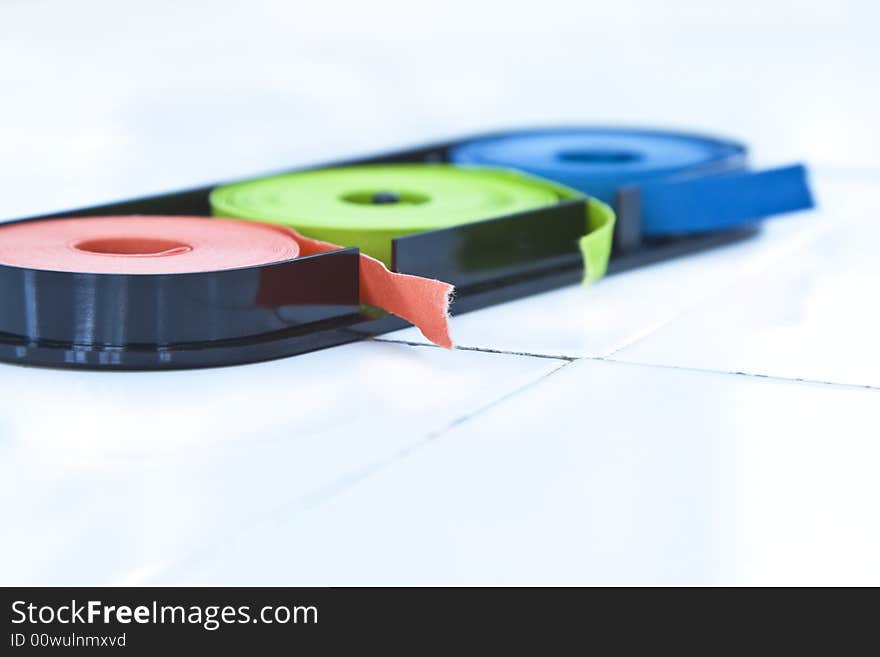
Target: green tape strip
<point x="368" y="206"/>
<point x="596" y="244"/>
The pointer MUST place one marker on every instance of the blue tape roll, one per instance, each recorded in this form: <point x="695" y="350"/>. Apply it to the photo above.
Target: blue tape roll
<point x="686" y="183"/>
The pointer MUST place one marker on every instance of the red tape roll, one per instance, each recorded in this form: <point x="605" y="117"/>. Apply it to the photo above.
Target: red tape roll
<point x="173" y="245"/>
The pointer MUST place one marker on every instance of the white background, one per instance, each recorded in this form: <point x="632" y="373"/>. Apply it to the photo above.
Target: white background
<point x="711" y="420"/>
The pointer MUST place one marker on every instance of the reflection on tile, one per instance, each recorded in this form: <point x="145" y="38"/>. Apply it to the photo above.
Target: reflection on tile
<point x="105" y="477"/>
<point x="813" y="315"/>
<point x="601" y="473"/>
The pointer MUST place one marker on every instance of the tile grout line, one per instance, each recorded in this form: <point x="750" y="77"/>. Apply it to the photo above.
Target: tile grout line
<point x="330" y="490"/>
<point x="480" y="349"/>
<point x="752" y="375"/>
<point x="461" y="420"/>
<point x="310" y="501"/>
<point x="609" y="358"/>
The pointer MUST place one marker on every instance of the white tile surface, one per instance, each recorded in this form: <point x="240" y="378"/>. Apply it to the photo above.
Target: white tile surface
<point x="105" y="477"/>
<point x="602" y="473"/>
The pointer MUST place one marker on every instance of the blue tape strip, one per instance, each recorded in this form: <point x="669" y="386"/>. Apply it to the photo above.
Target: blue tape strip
<point x="722" y="201"/>
<point x="688" y="183"/>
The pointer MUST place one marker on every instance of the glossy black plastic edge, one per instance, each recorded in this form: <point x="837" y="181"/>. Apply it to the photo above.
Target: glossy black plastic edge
<point x="628" y="224"/>
<point x="659" y="251"/>
<point x="162" y="321"/>
<point x="496" y="253"/>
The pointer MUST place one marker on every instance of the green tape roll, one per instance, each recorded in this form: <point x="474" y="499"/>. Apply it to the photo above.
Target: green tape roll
<point x="368" y="206"/>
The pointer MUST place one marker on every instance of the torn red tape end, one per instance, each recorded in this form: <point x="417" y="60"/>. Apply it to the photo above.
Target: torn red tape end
<point x="423" y="302"/>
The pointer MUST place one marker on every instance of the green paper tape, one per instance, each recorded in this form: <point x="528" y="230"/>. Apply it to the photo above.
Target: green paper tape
<point x="368" y="206"/>
<point x="596" y="244"/>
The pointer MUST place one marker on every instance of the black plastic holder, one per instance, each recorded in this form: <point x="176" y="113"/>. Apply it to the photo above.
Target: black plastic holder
<point x="174" y="321"/>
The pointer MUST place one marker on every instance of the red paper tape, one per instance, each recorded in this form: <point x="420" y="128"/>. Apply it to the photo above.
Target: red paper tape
<point x="175" y="245"/>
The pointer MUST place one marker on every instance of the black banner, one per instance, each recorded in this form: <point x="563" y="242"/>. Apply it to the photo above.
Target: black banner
<point x="325" y="621"/>
<point x="148" y="620"/>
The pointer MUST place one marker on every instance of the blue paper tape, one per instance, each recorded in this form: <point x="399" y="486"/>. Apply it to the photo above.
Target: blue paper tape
<point x="686" y="183"/>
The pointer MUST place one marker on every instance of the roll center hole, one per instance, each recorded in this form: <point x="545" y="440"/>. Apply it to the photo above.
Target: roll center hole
<point x="132" y="246"/>
<point x="384" y="197"/>
<point x="598" y="156"/>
